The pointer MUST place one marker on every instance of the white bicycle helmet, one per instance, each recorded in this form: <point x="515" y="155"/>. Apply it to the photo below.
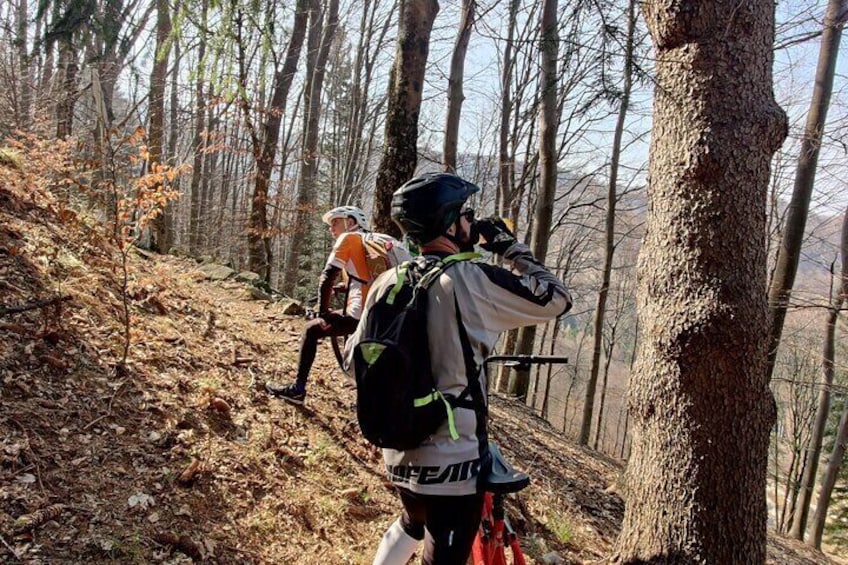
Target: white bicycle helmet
<point x="347" y="212"/>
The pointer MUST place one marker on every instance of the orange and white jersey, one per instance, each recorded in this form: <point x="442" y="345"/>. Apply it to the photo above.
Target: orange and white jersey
<point x="348" y="254"/>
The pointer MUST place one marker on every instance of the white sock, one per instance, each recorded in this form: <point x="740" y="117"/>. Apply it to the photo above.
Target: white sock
<point x="396" y="547"/>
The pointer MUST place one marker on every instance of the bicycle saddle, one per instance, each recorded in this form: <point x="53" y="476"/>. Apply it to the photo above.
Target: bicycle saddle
<point x="502" y="478"/>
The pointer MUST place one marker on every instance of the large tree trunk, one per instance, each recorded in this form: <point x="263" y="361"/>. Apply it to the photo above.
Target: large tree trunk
<point x="400" y="152"/>
<point x="805" y="176"/>
<point x="609" y="244"/>
<point x="834" y="464"/>
<point x="548" y="123"/>
<point x="319" y="48"/>
<point x="455" y="94"/>
<point x="257" y="238"/>
<point x="699" y="397"/>
<point x="162" y="226"/>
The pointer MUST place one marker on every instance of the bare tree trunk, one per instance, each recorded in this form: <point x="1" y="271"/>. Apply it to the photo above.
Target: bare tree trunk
<point x="198" y="143"/>
<point x="805" y="176"/>
<point x="319" y="47"/>
<point x="609" y="242"/>
<point x="548" y="123"/>
<point x="257" y="238"/>
<point x="506" y="162"/>
<point x="67" y="90"/>
<point x="699" y="396"/>
<point x="400" y="152"/>
<point x="173" y="132"/>
<point x="22" y="117"/>
<point x="805" y="493"/>
<point x="162" y="237"/>
<point x="834" y="464"/>
<point x="455" y="94"/>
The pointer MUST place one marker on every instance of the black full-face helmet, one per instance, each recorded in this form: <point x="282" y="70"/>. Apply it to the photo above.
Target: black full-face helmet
<point x="427" y="205"/>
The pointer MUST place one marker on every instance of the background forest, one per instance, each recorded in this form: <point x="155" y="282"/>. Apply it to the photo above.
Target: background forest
<point x="242" y="121"/>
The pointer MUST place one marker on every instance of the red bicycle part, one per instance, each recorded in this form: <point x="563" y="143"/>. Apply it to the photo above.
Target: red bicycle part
<point x="494" y="536"/>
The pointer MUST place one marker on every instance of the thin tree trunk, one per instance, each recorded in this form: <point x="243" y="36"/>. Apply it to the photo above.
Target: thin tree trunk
<point x="161" y="228"/>
<point x="548" y="123"/>
<point x="319" y="46"/>
<point x="506" y="163"/>
<point x="789" y="251"/>
<point x="828" y="361"/>
<point x="67" y="89"/>
<point x="258" y="239"/>
<point x="805" y="494"/>
<point x="22" y="117"/>
<point x="609" y="235"/>
<point x="198" y="143"/>
<point x="455" y="94"/>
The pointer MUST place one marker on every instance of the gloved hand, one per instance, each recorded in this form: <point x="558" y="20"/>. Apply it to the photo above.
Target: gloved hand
<point x="497" y="235"/>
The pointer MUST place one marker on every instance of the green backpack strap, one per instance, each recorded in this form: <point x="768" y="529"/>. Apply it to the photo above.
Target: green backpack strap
<point x="431" y="275"/>
<point x="441" y="266"/>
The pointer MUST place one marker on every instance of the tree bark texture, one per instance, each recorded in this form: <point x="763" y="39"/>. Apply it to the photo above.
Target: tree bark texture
<point x="400" y="153"/>
<point x="789" y="251"/>
<point x="699" y="398"/>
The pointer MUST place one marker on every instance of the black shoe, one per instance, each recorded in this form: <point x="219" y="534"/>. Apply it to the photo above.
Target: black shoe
<point x="290" y="393"/>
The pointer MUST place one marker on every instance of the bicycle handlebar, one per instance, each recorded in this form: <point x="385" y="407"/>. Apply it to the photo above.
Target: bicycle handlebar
<point x="523" y="362"/>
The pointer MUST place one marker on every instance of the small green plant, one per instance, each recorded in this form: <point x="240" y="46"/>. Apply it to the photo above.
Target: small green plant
<point x="320" y="452"/>
<point x="11" y="159"/>
<point x="561" y="528"/>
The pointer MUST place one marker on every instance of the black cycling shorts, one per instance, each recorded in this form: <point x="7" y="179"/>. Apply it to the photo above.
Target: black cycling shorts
<point x="451" y="523"/>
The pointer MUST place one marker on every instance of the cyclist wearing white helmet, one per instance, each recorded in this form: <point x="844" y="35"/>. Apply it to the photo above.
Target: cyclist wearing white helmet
<point x="347" y="225"/>
<point x="351" y="216"/>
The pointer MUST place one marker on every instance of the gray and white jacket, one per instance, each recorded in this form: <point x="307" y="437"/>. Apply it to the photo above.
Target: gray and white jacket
<point x="491" y="300"/>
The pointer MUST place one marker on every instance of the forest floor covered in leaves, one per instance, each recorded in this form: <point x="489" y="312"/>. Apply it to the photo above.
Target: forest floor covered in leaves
<point x="180" y="456"/>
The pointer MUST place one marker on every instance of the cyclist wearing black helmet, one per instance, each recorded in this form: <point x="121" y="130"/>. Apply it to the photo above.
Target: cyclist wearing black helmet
<point x="437" y="481"/>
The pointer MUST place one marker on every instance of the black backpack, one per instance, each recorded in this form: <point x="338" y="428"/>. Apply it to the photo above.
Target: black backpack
<point x="397" y="402"/>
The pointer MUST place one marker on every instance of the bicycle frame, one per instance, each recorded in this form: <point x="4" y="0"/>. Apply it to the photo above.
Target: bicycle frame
<point x="495" y="535"/>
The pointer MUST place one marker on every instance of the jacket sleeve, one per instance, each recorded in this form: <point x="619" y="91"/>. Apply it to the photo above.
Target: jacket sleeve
<point x="528" y="294"/>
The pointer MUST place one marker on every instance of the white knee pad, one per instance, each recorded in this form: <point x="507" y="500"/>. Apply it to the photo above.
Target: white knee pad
<point x="396" y="547"/>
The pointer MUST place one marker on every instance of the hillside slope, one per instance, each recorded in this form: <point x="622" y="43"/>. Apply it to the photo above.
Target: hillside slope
<point x="182" y="457"/>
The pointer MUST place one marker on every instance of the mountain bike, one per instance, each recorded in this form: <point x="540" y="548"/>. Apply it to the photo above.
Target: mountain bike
<point x="496" y="536"/>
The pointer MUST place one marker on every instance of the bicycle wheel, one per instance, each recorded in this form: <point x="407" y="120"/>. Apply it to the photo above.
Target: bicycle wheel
<point x="338" y="343"/>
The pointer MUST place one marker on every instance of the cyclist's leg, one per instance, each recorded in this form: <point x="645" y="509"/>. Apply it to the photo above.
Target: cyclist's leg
<point x="452" y="523"/>
<point x="312" y="333"/>
<point x="398" y="543"/>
